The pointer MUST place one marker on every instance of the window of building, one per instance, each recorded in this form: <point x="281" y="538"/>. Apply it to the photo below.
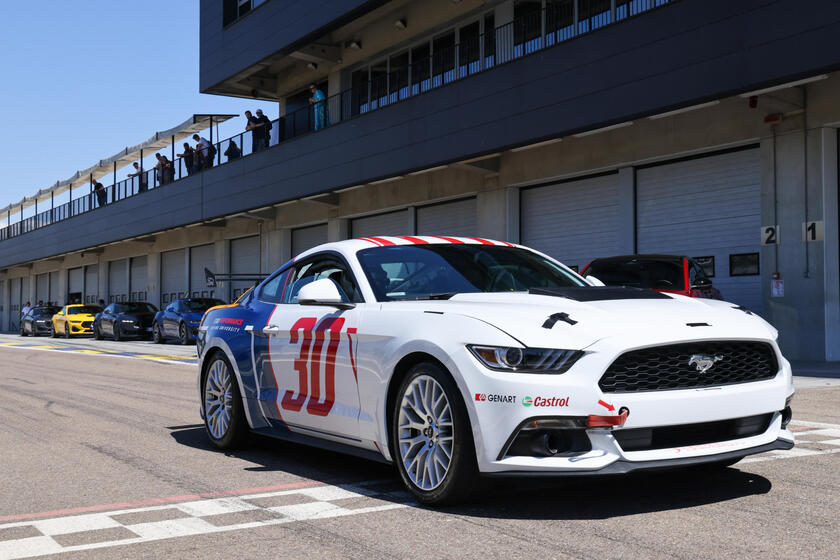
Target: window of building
<point x="559" y="21"/>
<point x="527" y="27"/>
<point x="443" y="59"/>
<point x="232" y="10"/>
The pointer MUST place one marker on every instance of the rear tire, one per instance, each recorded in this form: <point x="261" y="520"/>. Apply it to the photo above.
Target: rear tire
<point x="431" y="439"/>
<point x="224" y="415"/>
<point x="117" y="333"/>
<point x="53" y="334"/>
<point x="183" y="336"/>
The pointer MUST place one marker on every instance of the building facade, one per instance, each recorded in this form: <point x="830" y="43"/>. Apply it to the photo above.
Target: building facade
<point x="582" y="128"/>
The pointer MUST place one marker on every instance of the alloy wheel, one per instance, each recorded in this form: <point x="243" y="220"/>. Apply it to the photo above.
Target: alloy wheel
<point x="425" y="432"/>
<point x="218" y="399"/>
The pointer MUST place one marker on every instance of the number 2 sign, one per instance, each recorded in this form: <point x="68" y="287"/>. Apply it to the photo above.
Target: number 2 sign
<point x="770" y="235"/>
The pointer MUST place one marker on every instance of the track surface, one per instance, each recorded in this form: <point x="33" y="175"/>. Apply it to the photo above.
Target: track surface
<point x="104" y="456"/>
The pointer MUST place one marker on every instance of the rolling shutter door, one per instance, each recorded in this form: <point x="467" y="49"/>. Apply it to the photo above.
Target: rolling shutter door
<point x="201" y="257"/>
<point x="703" y="207"/>
<point x="42" y="288"/>
<point x="244" y="259"/>
<point x="139" y="278"/>
<point x="92" y="284"/>
<point x="308" y="237"/>
<point x="574" y="222"/>
<point x="14" y="304"/>
<point x="54" y="295"/>
<point x="118" y="280"/>
<point x="458" y="219"/>
<point x="24" y="291"/>
<point x="173" y="275"/>
<point x="390" y="223"/>
<point x="75" y="283"/>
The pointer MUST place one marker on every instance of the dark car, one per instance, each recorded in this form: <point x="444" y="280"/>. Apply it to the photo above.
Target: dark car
<point x="38" y="321"/>
<point x="126" y="319"/>
<point x="181" y="318"/>
<point x="663" y="273"/>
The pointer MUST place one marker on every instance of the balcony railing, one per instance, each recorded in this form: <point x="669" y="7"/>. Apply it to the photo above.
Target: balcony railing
<point x="526" y="35"/>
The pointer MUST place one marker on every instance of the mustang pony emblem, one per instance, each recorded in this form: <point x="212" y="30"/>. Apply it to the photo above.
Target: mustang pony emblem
<point x="703" y="363"/>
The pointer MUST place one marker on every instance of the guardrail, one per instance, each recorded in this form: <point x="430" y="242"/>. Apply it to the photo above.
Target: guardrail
<point x="560" y="21"/>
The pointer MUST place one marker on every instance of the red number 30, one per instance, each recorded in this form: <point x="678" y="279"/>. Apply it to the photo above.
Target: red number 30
<point x="315" y="406"/>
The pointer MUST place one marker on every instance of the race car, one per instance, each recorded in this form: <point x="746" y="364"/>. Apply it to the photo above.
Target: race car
<point x="454" y="357"/>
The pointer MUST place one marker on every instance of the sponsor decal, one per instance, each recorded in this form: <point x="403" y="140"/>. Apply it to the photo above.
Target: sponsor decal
<point x="483" y="397"/>
<point x="545" y="401"/>
<point x="229" y="321"/>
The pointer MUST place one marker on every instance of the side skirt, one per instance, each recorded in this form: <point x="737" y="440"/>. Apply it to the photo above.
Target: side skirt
<point x="287" y="435"/>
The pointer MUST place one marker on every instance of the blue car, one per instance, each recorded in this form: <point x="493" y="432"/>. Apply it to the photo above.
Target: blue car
<point x="180" y="319"/>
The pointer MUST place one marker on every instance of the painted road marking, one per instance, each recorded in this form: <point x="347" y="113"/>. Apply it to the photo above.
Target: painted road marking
<point x="166" y="358"/>
<point x="197" y="516"/>
<point x="812" y="438"/>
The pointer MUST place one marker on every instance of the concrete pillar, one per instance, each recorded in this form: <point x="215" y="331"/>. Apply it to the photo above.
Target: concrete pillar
<point x="491" y="207"/>
<point x="334" y="104"/>
<point x="285" y="244"/>
<point x="33" y="297"/>
<point x="831" y="244"/>
<point x="222" y="264"/>
<point x="61" y="290"/>
<point x="104" y="287"/>
<point x="512" y="213"/>
<point x="4" y="304"/>
<point x="153" y="278"/>
<point x="338" y="229"/>
<point x="627" y="215"/>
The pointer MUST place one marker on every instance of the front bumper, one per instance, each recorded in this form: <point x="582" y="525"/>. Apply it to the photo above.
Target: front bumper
<point x="499" y="403"/>
<point x="81" y="327"/>
<point x="134" y="329"/>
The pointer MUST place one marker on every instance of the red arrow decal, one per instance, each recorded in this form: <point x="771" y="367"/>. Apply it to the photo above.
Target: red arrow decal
<point x="607" y="406"/>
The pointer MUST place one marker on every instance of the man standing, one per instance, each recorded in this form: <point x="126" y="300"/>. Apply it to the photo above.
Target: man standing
<point x="138" y="172"/>
<point x="256" y="127"/>
<point x="101" y="195"/>
<point x="266" y="122"/>
<point x="206" y="149"/>
<point x="26" y="309"/>
<point x="189" y="158"/>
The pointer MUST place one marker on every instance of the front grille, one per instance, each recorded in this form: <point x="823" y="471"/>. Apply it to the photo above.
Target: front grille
<point x="665" y="437"/>
<point x="87" y="324"/>
<point x="663" y="368"/>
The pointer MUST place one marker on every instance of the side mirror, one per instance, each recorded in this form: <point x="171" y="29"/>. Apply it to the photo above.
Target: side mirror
<point x="701" y="283"/>
<point x="322" y="292"/>
<point x="593" y="281"/>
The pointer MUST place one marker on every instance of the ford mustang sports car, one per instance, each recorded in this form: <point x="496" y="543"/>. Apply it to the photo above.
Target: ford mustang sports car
<point x="452" y="357"/>
<point x="73" y="319"/>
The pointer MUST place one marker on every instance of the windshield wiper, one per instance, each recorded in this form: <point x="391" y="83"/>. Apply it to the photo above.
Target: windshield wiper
<point x="444" y="295"/>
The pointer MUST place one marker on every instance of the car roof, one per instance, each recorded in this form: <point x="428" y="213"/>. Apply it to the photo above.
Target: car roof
<point x="82" y="305"/>
<point x="351" y="246"/>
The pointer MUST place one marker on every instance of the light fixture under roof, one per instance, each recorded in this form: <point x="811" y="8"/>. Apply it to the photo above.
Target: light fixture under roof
<point x="400" y="23"/>
<point x="312" y="66"/>
<point x="604" y="129"/>
<point x="355" y="45"/>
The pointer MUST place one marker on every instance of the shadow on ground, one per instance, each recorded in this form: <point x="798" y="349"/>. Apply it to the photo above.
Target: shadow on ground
<point x="519" y="498"/>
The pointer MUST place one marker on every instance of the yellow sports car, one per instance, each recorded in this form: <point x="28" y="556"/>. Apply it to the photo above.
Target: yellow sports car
<point x="74" y="319"/>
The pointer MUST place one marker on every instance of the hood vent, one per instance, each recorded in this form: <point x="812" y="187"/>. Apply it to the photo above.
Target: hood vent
<point x="552" y="319"/>
<point x="599" y="293"/>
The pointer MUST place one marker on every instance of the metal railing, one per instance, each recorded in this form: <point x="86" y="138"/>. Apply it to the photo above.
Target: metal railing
<point x="527" y="34"/>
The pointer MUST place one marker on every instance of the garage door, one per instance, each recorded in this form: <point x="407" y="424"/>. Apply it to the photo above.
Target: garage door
<point x="308" y="237"/>
<point x="75" y="284"/>
<point x="92" y="284"/>
<point x="244" y="259"/>
<point x="173" y="276"/>
<point x="42" y="288"/>
<point x="457" y="219"/>
<point x="575" y="221"/>
<point x="201" y="257"/>
<point x="706" y="207"/>
<point x="14" y="304"/>
<point x="139" y="278"/>
<point x="118" y="280"/>
<point x="391" y="223"/>
<point x="55" y="297"/>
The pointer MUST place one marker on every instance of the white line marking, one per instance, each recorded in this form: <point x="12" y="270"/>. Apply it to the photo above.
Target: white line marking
<point x="75" y="524"/>
<point x="216" y="507"/>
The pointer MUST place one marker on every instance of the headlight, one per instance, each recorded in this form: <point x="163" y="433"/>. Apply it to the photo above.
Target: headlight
<point x="132" y="321"/>
<point x="525" y="360"/>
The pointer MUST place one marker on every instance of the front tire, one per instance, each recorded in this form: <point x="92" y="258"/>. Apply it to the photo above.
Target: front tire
<point x="66" y="330"/>
<point x="97" y="334"/>
<point x="224" y="416"/>
<point x="53" y="334"/>
<point x="117" y="333"/>
<point x="183" y="336"/>
<point x="432" y="442"/>
<point x="157" y="336"/>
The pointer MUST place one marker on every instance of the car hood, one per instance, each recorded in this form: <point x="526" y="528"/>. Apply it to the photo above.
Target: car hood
<point x="81" y="317"/>
<point x="635" y="322"/>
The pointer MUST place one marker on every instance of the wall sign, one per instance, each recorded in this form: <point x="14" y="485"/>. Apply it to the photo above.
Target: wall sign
<point x="770" y="235"/>
<point x="812" y="231"/>
<point x="777" y="288"/>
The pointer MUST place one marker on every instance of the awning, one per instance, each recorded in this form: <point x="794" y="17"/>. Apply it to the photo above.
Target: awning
<point x="126" y="156"/>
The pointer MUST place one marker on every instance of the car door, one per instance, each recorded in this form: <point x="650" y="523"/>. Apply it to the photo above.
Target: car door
<point x="106" y="323"/>
<point x="169" y="324"/>
<point x="58" y="321"/>
<point x="310" y="366"/>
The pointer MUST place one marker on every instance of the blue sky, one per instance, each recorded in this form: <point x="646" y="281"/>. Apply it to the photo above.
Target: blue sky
<point x="81" y="80"/>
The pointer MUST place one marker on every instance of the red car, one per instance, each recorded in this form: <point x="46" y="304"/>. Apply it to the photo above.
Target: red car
<point x="663" y="273"/>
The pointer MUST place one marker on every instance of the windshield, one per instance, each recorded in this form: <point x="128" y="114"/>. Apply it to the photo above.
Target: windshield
<point x="84" y="310"/>
<point x="640" y="273"/>
<point x="200" y="305"/>
<point x="136" y="307"/>
<point x="427" y="271"/>
<point x="44" y="311"/>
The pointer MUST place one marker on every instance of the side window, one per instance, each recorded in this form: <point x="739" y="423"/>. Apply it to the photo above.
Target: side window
<point x="170" y="308"/>
<point x="272" y="291"/>
<point x="109" y="309"/>
<point x="318" y="270"/>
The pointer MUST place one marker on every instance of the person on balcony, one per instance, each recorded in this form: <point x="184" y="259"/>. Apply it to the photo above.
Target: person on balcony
<point x="189" y="158"/>
<point x="233" y="152"/>
<point x="165" y="173"/>
<point x="101" y="194"/>
<point x="138" y="172"/>
<point x="257" y="129"/>
<point x="319" y="105"/>
<point x="206" y="149"/>
<point x="266" y="122"/>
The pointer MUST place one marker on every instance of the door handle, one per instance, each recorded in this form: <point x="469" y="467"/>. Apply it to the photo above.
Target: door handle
<point x="267" y="330"/>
